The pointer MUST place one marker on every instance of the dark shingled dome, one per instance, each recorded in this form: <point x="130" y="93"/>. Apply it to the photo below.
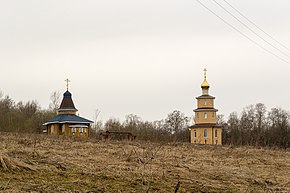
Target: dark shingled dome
<point x="67" y="102"/>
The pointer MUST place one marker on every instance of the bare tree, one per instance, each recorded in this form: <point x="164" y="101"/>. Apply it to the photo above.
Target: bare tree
<point x="220" y="119"/>
<point x="260" y="122"/>
<point x="97" y="124"/>
<point x="247" y="126"/>
<point x="177" y="124"/>
<point x="176" y="121"/>
<point x="280" y="127"/>
<point x="55" y="99"/>
<point x="234" y="137"/>
<point x="113" y="124"/>
<point x="132" y="122"/>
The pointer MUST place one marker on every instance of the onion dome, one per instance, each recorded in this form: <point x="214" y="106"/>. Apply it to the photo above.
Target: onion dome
<point x="205" y="83"/>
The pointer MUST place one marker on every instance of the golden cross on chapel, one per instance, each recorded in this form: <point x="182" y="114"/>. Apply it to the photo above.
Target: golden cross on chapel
<point x="67" y="82"/>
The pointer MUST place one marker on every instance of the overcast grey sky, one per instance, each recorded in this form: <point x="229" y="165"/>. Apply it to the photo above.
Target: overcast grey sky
<point x="144" y="57"/>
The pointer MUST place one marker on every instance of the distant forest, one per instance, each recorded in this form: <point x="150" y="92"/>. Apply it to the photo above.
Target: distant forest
<point x="255" y="126"/>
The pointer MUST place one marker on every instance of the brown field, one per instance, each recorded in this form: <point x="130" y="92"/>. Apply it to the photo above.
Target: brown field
<point x="38" y="163"/>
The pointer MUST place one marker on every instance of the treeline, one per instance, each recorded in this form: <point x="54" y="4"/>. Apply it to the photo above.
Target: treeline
<point x="256" y="126"/>
<point x="28" y="117"/>
<point x="22" y="116"/>
<point x="173" y="128"/>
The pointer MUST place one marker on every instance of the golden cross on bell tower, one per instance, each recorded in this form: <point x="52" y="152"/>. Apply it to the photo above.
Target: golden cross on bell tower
<point x="205" y="73"/>
<point x="67" y="82"/>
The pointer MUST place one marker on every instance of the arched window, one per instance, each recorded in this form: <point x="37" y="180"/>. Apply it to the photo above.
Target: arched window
<point x="205" y="133"/>
<point x="205" y="115"/>
<point x="216" y="133"/>
<point x="74" y="130"/>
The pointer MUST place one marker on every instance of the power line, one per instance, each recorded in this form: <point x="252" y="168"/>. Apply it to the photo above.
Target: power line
<point x="256" y="26"/>
<point x="254" y="42"/>
<point x="285" y="54"/>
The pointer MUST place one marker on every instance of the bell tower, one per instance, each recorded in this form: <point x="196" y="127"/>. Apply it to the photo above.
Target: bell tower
<point x="205" y="130"/>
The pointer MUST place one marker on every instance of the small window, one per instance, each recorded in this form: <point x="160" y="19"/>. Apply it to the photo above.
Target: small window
<point x="213" y="115"/>
<point x="204" y="141"/>
<point x="205" y="133"/>
<point x="194" y="141"/>
<point x="194" y="133"/>
<point x="216" y="133"/>
<point x="205" y="115"/>
<point x="204" y="102"/>
<point x="197" y="115"/>
<point x="81" y="130"/>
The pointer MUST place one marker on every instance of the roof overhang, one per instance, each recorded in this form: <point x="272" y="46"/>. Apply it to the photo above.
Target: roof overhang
<point x="205" y="109"/>
<point x="205" y="97"/>
<point x="205" y="125"/>
<point x="64" y="122"/>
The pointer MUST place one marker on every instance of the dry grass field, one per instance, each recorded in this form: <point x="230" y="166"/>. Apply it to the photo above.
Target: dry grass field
<point x="38" y="163"/>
